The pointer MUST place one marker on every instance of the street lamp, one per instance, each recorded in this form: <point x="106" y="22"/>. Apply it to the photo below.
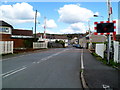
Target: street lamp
<point x="98" y="16"/>
<point x="90" y="40"/>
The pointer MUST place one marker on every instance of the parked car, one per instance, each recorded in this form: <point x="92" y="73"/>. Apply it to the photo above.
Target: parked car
<point x="74" y="45"/>
<point x="77" y="45"/>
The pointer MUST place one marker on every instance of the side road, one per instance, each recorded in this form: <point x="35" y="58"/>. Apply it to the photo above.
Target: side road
<point x="98" y="75"/>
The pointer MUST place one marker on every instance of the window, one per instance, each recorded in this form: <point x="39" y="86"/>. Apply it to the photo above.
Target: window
<point x="4" y="29"/>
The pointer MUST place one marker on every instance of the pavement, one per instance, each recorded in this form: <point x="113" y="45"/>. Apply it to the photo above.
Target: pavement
<point x="54" y="68"/>
<point x="97" y="75"/>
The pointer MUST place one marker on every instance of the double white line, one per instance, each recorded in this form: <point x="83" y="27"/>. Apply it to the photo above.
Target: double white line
<point x="4" y="75"/>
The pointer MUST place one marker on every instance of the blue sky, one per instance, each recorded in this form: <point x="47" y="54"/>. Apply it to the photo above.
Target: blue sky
<point x="59" y="20"/>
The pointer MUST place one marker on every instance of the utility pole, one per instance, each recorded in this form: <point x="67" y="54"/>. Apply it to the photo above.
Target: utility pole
<point x="44" y="28"/>
<point x="35" y="24"/>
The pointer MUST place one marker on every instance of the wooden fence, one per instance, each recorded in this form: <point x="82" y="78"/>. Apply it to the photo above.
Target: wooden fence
<point x="38" y="45"/>
<point x="6" y="47"/>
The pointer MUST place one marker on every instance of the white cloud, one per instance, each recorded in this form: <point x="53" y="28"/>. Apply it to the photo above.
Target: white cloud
<point x="73" y="13"/>
<point x="75" y="28"/>
<point x="17" y="13"/>
<point x="50" y="24"/>
<point x="52" y="32"/>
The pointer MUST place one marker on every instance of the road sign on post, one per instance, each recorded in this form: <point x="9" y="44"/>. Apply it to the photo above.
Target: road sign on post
<point x="105" y="27"/>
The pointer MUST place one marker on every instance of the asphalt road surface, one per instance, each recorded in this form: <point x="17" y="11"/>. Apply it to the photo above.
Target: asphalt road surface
<point x="54" y="68"/>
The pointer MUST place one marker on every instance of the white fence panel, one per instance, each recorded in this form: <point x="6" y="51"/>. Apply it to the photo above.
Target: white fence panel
<point x="6" y="47"/>
<point x="38" y="45"/>
<point x="100" y="48"/>
<point x="116" y="51"/>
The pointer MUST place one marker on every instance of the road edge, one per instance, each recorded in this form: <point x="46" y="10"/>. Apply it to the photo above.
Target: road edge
<point x="83" y="82"/>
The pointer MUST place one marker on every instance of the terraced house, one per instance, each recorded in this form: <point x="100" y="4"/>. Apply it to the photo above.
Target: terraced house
<point x="18" y="36"/>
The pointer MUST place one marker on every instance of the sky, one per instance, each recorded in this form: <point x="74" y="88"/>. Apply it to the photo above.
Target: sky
<point x="61" y="17"/>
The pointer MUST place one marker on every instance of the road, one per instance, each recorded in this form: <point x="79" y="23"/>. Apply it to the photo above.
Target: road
<point x="54" y="68"/>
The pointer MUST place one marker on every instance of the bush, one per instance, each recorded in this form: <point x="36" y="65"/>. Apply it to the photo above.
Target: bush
<point x="28" y="43"/>
<point x="60" y="42"/>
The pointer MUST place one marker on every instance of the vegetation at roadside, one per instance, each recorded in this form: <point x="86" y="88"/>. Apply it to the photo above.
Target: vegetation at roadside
<point x="104" y="61"/>
<point x="60" y="42"/>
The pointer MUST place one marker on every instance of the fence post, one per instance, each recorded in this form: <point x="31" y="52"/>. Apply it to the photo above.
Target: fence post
<point x="12" y="45"/>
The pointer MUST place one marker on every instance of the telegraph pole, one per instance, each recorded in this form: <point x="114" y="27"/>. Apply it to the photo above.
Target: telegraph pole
<point x="35" y="24"/>
<point x="44" y="28"/>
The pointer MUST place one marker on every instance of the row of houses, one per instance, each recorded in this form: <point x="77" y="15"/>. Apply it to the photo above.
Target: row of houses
<point x="18" y="36"/>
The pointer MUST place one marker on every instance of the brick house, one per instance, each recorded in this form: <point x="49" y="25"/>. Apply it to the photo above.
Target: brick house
<point x="8" y="33"/>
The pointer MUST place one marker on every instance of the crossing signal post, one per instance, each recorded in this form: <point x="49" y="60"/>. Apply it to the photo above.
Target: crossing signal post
<point x="106" y="28"/>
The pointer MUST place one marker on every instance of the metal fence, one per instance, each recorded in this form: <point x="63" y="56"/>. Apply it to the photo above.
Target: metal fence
<point x="6" y="47"/>
<point x="38" y="45"/>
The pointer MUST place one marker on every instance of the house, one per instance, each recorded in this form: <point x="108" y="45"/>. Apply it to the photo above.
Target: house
<point x="5" y="30"/>
<point x="52" y="38"/>
<point x="94" y="39"/>
<point x="8" y="33"/>
<point x="74" y="40"/>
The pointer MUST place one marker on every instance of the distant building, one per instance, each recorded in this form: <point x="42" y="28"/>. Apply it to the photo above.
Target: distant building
<point x="52" y="38"/>
<point x="94" y="39"/>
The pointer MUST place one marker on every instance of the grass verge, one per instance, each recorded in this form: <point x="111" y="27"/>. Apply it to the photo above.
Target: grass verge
<point x="104" y="61"/>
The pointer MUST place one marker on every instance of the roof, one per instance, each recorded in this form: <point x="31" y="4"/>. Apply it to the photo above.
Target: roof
<point x="52" y="36"/>
<point x="22" y="32"/>
<point x="3" y="23"/>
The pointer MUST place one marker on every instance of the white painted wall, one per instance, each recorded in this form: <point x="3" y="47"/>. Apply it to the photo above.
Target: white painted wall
<point x="116" y="52"/>
<point x="6" y="47"/>
<point x="100" y="48"/>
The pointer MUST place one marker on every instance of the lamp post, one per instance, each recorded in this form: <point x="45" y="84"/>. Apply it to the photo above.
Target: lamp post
<point x="98" y="16"/>
<point x="90" y="40"/>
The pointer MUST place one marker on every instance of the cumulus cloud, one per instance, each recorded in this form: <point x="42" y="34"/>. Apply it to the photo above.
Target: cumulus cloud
<point x="18" y="13"/>
<point x="50" y="24"/>
<point x="50" y="31"/>
<point x="75" y="28"/>
<point x="73" y="13"/>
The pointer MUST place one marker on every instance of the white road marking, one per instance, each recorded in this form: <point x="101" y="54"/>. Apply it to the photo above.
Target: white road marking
<point x="46" y="58"/>
<point x="6" y="75"/>
<point x="82" y="75"/>
<point x="82" y="64"/>
<point x="33" y="62"/>
<point x="14" y="57"/>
